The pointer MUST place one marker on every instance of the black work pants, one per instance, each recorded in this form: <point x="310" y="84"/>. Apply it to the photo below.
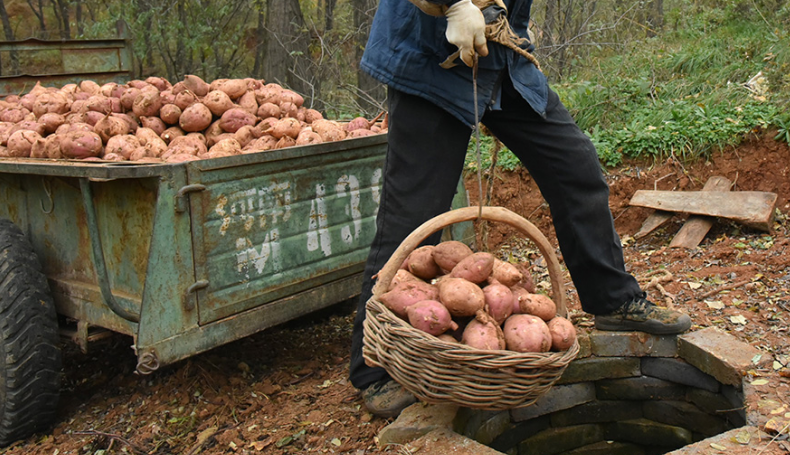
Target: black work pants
<point x="425" y="158"/>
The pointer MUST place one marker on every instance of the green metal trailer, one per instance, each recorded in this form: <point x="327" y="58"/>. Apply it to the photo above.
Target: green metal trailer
<point x="181" y="257"/>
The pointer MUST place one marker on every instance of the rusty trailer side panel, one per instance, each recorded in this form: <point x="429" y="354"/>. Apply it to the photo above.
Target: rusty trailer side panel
<point x="186" y="257"/>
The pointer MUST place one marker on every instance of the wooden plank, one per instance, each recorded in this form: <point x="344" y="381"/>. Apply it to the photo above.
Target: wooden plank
<point x="752" y="208"/>
<point x="697" y="226"/>
<point x="653" y="222"/>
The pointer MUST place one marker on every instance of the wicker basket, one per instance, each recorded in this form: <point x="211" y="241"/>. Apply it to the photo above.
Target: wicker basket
<point x="436" y="371"/>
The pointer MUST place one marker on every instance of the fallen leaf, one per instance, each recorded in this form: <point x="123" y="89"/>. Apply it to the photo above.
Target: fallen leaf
<point x="715" y="304"/>
<point x="337" y="442"/>
<point x="717" y="446"/>
<point x="739" y="319"/>
<point x="760" y="382"/>
<point x="743" y="437"/>
<point x="326" y="384"/>
<point x="776" y="425"/>
<point x="205" y="434"/>
<point x="694" y="285"/>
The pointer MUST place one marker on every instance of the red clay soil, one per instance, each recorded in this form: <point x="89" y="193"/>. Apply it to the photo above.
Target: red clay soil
<point x="285" y="390"/>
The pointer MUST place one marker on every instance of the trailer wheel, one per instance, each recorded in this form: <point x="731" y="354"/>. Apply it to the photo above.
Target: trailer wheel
<point x="29" y="355"/>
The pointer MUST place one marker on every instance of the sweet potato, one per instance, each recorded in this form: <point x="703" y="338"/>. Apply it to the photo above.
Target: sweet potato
<point x="110" y="126"/>
<point x="461" y="297"/>
<point x="526" y="278"/>
<point x="261" y="144"/>
<point x="235" y="88"/>
<point x="288" y="109"/>
<point x="169" y="113"/>
<point x="123" y="145"/>
<point x="154" y="123"/>
<point x="483" y="332"/>
<point x="235" y="118"/>
<point x="563" y="333"/>
<point x="196" y="117"/>
<point x="171" y="133"/>
<point x="56" y="103"/>
<point x="51" y="122"/>
<point x="80" y="144"/>
<point x="526" y="333"/>
<point x="285" y="141"/>
<point x="499" y="301"/>
<point x="360" y="133"/>
<point x="311" y="115"/>
<point x="248" y="103"/>
<point x="449" y="253"/>
<point x="430" y="316"/>
<point x="159" y="82"/>
<point x="244" y="135"/>
<point x="538" y="305"/>
<point x="358" y="123"/>
<point x="225" y="147"/>
<point x="185" y="99"/>
<point x="286" y="127"/>
<point x="21" y="142"/>
<point x="147" y="104"/>
<point x="401" y="276"/>
<point x="181" y="158"/>
<point x="421" y="263"/>
<point x="127" y="99"/>
<point x="196" y="85"/>
<point x="269" y="93"/>
<point x="218" y="102"/>
<point x="407" y="294"/>
<point x="506" y="273"/>
<point x="267" y="110"/>
<point x="307" y="136"/>
<point x="187" y="144"/>
<point x="476" y="267"/>
<point x="289" y="96"/>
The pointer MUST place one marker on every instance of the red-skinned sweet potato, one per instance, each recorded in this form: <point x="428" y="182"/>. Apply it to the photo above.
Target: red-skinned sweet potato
<point x="526" y="333"/>
<point x="407" y="294"/>
<point x="563" y="333"/>
<point x="461" y="297"/>
<point x="476" y="267"/>
<point x="499" y="301"/>
<point x="483" y="332"/>
<point x="449" y="253"/>
<point x="421" y="263"/>
<point x="538" y="305"/>
<point x="430" y="316"/>
<point x="506" y="273"/>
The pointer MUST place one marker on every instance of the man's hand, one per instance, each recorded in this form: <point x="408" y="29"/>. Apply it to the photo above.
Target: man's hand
<point x="466" y="29"/>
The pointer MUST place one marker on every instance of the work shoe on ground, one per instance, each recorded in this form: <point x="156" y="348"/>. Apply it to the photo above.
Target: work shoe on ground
<point x="387" y="398"/>
<point x="643" y="315"/>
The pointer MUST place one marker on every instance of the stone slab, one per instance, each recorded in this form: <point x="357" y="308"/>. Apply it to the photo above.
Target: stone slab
<point x="597" y="412"/>
<point x="647" y="433"/>
<point x="632" y="344"/>
<point x="641" y="388"/>
<point x="595" y="368"/>
<point x="679" y="371"/>
<point x="511" y="438"/>
<point x="607" y="448"/>
<point x="492" y="428"/>
<point x="443" y="441"/>
<point x="416" y="421"/>
<point x="718" y="354"/>
<point x="728" y="441"/>
<point x="585" y="349"/>
<point x="559" y="397"/>
<point x="558" y="440"/>
<point x="686" y="415"/>
<point x="718" y="405"/>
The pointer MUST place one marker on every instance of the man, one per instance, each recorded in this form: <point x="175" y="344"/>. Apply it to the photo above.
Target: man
<point x="432" y="115"/>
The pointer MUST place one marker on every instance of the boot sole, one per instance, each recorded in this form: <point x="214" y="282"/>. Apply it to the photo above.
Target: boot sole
<point x="651" y="326"/>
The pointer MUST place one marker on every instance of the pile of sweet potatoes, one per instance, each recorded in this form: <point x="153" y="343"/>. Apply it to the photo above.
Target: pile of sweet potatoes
<point x="461" y="296"/>
<point x="153" y="120"/>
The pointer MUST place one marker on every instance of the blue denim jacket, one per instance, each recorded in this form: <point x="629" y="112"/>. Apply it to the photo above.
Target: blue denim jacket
<point x="406" y="46"/>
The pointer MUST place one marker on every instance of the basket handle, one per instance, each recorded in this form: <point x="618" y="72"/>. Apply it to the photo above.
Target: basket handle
<point x="499" y="214"/>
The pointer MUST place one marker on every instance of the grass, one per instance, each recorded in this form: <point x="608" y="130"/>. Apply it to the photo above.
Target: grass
<point x="685" y="92"/>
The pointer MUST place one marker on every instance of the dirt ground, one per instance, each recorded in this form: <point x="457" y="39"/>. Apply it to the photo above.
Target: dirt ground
<point x="285" y="390"/>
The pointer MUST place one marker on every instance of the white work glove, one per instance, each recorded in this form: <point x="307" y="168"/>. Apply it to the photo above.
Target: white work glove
<point x="466" y="29"/>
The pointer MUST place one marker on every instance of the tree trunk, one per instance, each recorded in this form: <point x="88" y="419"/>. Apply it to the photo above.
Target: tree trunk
<point x="371" y="95"/>
<point x="38" y="10"/>
<point x="655" y="17"/>
<point x="61" y="10"/>
<point x="78" y="17"/>
<point x="286" y="57"/>
<point x="260" y="41"/>
<point x="9" y="36"/>
<point x="329" y="15"/>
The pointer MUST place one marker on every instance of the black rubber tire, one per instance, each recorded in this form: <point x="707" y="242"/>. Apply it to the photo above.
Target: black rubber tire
<point x="30" y="358"/>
